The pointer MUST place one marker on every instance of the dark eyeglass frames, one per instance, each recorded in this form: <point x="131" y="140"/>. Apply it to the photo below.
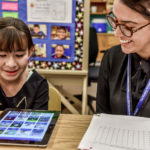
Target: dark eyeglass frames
<point x="127" y="31"/>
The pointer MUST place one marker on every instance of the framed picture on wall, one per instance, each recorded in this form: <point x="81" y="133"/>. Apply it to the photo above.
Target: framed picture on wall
<point x="60" y="33"/>
<point x="61" y="51"/>
<point x="38" y="31"/>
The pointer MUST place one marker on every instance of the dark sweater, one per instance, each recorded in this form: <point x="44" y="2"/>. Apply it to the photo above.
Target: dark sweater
<point x="112" y="83"/>
<point x="33" y="95"/>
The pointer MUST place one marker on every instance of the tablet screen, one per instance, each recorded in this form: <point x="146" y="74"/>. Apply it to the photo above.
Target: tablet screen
<point x="26" y="125"/>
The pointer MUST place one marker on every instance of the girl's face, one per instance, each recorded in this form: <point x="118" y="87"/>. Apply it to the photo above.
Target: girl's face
<point x="140" y="41"/>
<point x="13" y="64"/>
<point x="59" y="51"/>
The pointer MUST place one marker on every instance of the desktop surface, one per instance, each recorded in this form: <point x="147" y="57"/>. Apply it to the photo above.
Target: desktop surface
<point x="67" y="133"/>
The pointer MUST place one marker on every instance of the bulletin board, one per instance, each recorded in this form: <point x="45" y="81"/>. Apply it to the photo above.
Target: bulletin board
<point x="51" y="18"/>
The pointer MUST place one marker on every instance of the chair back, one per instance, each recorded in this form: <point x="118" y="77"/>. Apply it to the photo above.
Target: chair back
<point x="93" y="70"/>
<point x="54" y="103"/>
<point x="93" y="45"/>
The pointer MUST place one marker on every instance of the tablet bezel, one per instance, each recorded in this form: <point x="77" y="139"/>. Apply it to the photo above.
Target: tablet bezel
<point x="46" y="137"/>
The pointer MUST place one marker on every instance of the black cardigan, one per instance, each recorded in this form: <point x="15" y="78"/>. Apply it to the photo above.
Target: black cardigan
<point x="33" y="95"/>
<point x="111" y="90"/>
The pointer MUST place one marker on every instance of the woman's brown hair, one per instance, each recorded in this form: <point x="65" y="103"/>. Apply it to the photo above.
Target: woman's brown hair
<point x="141" y="6"/>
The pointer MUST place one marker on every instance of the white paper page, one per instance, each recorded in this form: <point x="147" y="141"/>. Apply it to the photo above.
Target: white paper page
<point x="99" y="146"/>
<point x="123" y="132"/>
<point x="57" y="11"/>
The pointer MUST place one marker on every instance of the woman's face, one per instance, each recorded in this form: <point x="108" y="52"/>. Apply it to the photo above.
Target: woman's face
<point x="13" y="64"/>
<point x="140" y="41"/>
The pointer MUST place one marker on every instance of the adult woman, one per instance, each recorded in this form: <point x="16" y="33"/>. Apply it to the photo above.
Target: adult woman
<point x="124" y="85"/>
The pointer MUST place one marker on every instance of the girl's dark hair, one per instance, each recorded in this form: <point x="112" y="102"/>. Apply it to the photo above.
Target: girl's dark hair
<point x="60" y="46"/>
<point x="141" y="6"/>
<point x="14" y="33"/>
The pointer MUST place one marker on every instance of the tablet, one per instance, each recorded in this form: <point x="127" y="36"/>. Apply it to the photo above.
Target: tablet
<point x="27" y="127"/>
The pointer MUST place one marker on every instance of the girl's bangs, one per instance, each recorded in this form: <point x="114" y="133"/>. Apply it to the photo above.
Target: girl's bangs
<point x="11" y="39"/>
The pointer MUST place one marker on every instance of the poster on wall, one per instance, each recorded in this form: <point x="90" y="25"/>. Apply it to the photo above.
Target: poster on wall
<point x="57" y="11"/>
<point x="57" y="33"/>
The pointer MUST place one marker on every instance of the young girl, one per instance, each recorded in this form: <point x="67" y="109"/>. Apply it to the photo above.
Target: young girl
<point x="19" y="88"/>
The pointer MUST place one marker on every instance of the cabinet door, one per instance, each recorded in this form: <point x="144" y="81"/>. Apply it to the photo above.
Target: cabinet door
<point x="105" y="41"/>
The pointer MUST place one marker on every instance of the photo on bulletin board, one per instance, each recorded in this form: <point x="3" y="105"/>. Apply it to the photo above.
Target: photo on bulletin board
<point x="61" y="51"/>
<point x="38" y="31"/>
<point x="39" y="50"/>
<point x="60" y="33"/>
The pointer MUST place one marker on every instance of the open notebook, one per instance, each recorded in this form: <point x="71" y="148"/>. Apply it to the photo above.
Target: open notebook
<point x="117" y="132"/>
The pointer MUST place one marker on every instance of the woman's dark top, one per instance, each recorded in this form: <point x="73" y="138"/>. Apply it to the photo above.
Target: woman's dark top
<point x="33" y="95"/>
<point x="112" y="83"/>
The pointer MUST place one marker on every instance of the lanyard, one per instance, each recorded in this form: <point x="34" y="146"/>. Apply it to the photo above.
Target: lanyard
<point x="143" y="96"/>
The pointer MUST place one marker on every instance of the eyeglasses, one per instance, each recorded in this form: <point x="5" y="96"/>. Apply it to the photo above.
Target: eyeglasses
<point x="127" y="31"/>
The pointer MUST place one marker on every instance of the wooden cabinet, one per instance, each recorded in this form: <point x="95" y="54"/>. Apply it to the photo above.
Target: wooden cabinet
<point x="98" y="7"/>
<point x="101" y="7"/>
<point x="105" y="41"/>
